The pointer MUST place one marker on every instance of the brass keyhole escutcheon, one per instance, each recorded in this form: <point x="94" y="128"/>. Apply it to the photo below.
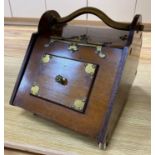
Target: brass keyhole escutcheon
<point x="60" y="79"/>
<point x="46" y="58"/>
<point x="34" y="89"/>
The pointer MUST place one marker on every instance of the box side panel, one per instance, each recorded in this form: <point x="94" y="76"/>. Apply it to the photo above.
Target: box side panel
<point x="23" y="67"/>
<point x="125" y="78"/>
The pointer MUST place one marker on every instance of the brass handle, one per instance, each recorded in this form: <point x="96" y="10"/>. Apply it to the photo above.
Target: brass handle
<point x="60" y="79"/>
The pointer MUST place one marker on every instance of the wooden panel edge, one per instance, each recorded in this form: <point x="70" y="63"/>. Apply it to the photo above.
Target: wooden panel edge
<point x="147" y="27"/>
<point x="21" y="21"/>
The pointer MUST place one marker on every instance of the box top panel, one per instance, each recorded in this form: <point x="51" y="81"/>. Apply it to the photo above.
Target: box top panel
<point x="96" y="35"/>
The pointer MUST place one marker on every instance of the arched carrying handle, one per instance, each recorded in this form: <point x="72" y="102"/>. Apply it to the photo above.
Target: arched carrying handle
<point x="56" y="19"/>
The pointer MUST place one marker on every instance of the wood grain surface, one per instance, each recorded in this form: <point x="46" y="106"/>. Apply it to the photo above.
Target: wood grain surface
<point x="89" y="123"/>
<point x="132" y="134"/>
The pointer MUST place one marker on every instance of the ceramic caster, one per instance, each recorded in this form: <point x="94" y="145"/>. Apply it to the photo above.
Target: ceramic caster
<point x="102" y="146"/>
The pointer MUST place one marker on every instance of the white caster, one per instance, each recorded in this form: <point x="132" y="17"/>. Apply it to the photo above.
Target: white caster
<point x="102" y="146"/>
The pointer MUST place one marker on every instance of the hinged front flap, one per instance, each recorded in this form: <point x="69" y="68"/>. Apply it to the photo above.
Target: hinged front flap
<point x="64" y="81"/>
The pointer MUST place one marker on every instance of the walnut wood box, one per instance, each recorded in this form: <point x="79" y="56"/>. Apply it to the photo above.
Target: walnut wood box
<point x="79" y="76"/>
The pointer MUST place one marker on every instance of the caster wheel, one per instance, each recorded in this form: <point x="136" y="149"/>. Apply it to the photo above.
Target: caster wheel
<point x="102" y="146"/>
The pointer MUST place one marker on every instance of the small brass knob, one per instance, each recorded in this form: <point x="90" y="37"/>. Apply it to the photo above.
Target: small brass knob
<point x="60" y="79"/>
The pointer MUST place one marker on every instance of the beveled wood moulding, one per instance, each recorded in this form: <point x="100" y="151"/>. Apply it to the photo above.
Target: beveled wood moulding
<point x="79" y="76"/>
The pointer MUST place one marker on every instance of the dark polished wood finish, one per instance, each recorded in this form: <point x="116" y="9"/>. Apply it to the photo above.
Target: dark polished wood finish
<point x="104" y="93"/>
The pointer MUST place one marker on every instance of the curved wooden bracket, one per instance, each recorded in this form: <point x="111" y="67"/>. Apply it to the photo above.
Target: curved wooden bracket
<point x="53" y="18"/>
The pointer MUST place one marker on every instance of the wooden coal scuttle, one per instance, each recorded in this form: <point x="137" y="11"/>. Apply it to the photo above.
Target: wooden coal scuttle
<point x="78" y="75"/>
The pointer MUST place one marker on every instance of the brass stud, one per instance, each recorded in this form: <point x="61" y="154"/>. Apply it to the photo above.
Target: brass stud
<point x="46" y="58"/>
<point x="73" y="47"/>
<point x="78" y="104"/>
<point x="34" y="89"/>
<point x="90" y="68"/>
